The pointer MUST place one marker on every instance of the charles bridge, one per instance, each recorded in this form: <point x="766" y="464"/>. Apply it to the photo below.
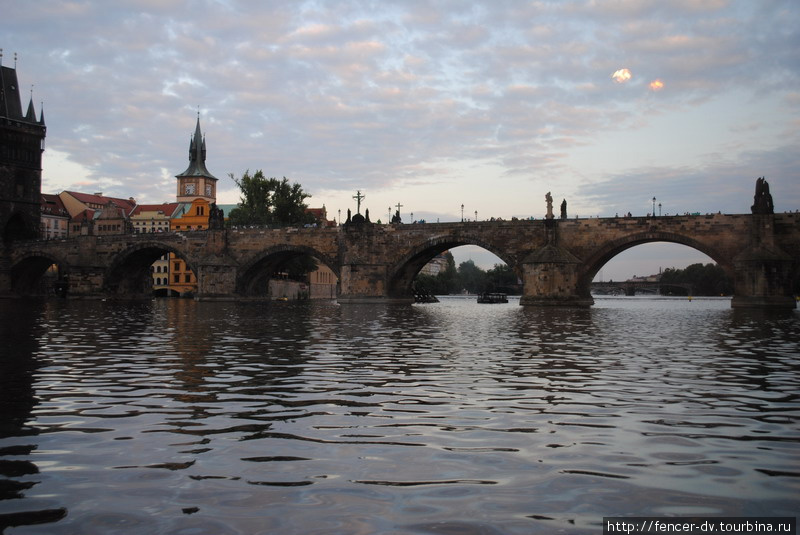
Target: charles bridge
<point x="556" y="259"/>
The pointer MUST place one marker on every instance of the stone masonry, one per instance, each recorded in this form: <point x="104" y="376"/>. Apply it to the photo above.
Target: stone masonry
<point x="556" y="258"/>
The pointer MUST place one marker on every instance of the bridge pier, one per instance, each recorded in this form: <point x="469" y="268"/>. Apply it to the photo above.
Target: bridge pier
<point x="763" y="272"/>
<point x="216" y="280"/>
<point x="366" y="284"/>
<point x="86" y="282"/>
<point x="550" y="277"/>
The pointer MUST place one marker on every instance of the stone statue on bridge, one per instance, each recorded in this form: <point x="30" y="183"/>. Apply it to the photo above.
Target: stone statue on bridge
<point x="216" y="217"/>
<point x="762" y="200"/>
<point x="549" y="199"/>
<point x="564" y="209"/>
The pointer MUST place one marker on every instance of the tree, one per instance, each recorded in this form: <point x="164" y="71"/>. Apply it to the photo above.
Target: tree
<point x="473" y="278"/>
<point x="709" y="279"/>
<point x="443" y="283"/>
<point x="269" y="201"/>
<point x="501" y="278"/>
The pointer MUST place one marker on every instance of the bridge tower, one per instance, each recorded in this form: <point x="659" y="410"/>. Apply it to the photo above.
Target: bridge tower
<point x="196" y="182"/>
<point x="21" y="147"/>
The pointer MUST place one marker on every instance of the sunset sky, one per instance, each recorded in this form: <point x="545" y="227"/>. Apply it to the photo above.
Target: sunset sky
<point x="434" y="104"/>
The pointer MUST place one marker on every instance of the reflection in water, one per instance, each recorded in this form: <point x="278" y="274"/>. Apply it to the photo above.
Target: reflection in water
<point x="182" y="417"/>
<point x="18" y="474"/>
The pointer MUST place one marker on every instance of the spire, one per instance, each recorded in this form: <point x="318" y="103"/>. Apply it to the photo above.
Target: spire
<point x="197" y="155"/>
<point x="31" y="115"/>
<point x="41" y="117"/>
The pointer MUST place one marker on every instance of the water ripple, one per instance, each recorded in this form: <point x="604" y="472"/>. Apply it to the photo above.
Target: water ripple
<point x="315" y="418"/>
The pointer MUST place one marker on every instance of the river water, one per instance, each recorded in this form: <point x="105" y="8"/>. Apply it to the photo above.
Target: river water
<point x="184" y="417"/>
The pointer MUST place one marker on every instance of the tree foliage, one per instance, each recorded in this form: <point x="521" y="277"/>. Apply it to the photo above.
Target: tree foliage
<point x="470" y="278"/>
<point x="708" y="279"/>
<point x="269" y="201"/>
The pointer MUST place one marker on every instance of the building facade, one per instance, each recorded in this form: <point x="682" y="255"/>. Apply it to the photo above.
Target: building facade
<point x="155" y="218"/>
<point x="322" y="283"/>
<point x="54" y="218"/>
<point x="86" y="209"/>
<point x="151" y="218"/>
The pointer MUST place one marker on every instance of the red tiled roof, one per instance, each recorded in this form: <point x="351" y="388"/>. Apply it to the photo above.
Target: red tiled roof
<point x="86" y="215"/>
<point x="51" y="204"/>
<point x="102" y="200"/>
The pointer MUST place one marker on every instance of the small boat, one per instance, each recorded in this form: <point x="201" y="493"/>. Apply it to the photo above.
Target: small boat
<point x="492" y="298"/>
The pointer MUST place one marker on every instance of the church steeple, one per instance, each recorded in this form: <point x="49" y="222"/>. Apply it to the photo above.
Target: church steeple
<point x="197" y="155"/>
<point x="196" y="181"/>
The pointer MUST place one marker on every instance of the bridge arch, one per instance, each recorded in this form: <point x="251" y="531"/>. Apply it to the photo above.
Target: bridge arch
<point x="609" y="250"/>
<point x="402" y="273"/>
<point x="28" y="273"/>
<point x="129" y="272"/>
<point x="254" y="273"/>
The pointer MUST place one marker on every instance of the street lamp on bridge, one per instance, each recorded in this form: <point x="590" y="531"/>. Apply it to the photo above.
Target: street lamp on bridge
<point x="659" y="209"/>
<point x="654" y="206"/>
<point x="462" y="213"/>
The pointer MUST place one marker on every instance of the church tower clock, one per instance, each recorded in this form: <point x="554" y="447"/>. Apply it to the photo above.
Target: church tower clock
<point x="196" y="182"/>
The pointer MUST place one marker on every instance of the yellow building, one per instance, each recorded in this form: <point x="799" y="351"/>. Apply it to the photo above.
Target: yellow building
<point x="190" y="217"/>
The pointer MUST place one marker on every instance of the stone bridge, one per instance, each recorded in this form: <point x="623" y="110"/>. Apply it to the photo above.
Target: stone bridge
<point x="556" y="259"/>
<point x="630" y="288"/>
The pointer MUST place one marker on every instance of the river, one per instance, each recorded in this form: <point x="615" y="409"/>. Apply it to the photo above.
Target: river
<point x="184" y="417"/>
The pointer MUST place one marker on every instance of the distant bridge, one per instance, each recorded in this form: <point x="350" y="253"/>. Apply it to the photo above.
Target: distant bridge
<point x="634" y="287"/>
<point x="556" y="259"/>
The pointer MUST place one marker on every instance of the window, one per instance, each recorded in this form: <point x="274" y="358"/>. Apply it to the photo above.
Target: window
<point x="187" y="277"/>
<point x="176" y="266"/>
<point x="176" y="278"/>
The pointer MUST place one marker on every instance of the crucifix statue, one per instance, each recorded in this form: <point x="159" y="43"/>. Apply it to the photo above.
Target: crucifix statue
<point x="358" y="197"/>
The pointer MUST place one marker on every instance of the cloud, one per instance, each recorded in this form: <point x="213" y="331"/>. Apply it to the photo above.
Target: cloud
<point x="352" y="94"/>
<point x="725" y="184"/>
<point x="621" y="76"/>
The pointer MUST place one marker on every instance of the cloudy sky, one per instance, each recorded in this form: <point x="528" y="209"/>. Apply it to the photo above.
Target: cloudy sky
<point x="430" y="104"/>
